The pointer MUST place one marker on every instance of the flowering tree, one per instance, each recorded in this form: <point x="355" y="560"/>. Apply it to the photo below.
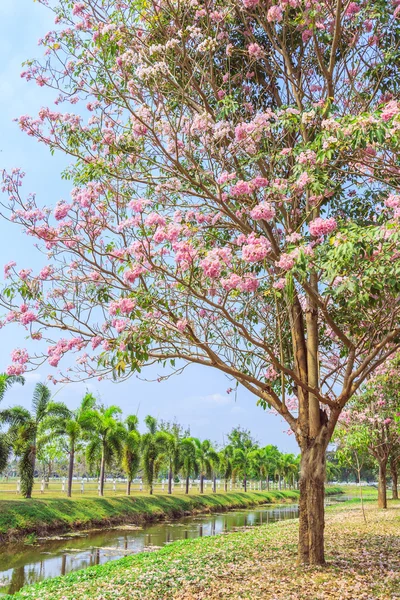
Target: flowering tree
<point x="235" y="202"/>
<point x="371" y="420"/>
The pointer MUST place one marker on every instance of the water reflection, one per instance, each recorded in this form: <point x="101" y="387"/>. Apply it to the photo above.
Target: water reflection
<point x="21" y="565"/>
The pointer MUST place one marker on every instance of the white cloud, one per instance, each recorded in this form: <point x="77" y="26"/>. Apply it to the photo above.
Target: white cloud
<point x="33" y="377"/>
<point x="217" y="399"/>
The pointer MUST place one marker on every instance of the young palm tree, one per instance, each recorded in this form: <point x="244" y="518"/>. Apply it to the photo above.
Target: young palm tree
<point x="6" y="381"/>
<point x="23" y="432"/>
<point x="131" y="451"/>
<point x="172" y="450"/>
<point x="188" y="460"/>
<point x="153" y="445"/>
<point x="207" y="459"/>
<point x="68" y="426"/>
<point x="242" y="460"/>
<point x="225" y="464"/>
<point x="106" y="437"/>
<point x="271" y="457"/>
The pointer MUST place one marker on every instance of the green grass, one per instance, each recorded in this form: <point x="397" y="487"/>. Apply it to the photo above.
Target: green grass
<point x="19" y="518"/>
<point x="362" y="558"/>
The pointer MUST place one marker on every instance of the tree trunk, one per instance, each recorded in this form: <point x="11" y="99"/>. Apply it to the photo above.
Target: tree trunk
<point x="70" y="471"/>
<point x="201" y="483"/>
<point x="128" y="487"/>
<point x="187" y="485"/>
<point x="382" y="496"/>
<point x="267" y="488"/>
<point x="393" y="470"/>
<point x="102" y="473"/>
<point x="280" y="482"/>
<point x="170" y="481"/>
<point x="226" y="485"/>
<point x="245" y="484"/>
<point x="214" y="484"/>
<point x="311" y="506"/>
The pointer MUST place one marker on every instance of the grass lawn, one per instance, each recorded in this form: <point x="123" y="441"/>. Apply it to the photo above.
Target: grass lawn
<point x="363" y="564"/>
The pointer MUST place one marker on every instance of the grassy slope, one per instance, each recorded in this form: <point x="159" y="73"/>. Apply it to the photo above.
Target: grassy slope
<point x="19" y="518"/>
<point x="364" y="563"/>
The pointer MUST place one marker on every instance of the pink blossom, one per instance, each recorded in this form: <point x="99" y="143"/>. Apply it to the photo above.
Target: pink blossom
<point x="263" y="211"/>
<point x="241" y="188"/>
<point x="255" y="51"/>
<point x="391" y="110"/>
<point x="124" y="305"/>
<point x="286" y="261"/>
<point x="27" y="317"/>
<point x="96" y="341"/>
<point x="280" y="284"/>
<point x="16" y="369"/>
<point x="321" y="226"/>
<point x="20" y="355"/>
<point x="256" y="250"/>
<point x="275" y="14"/>
<point x="54" y="359"/>
<point x="181" y="324"/>
<point x="24" y="273"/>
<point x="303" y="180"/>
<point x="61" y="210"/>
<point x="352" y="9"/>
<point x="8" y="267"/>
<point x="250" y="3"/>
<point x="45" y="272"/>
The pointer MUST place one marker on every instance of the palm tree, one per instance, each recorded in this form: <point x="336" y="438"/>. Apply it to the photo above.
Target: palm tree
<point x="171" y="455"/>
<point x="69" y="425"/>
<point x="290" y="468"/>
<point x="271" y="457"/>
<point x="207" y="459"/>
<point x="153" y="445"/>
<point x="106" y="434"/>
<point x="225" y="464"/>
<point x="6" y="381"/>
<point x="242" y="461"/>
<point x="131" y="451"/>
<point x="258" y="463"/>
<point x="24" y="427"/>
<point x="188" y="460"/>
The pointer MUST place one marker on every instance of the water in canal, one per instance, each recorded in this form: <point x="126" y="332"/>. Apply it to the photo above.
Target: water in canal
<point x="22" y="565"/>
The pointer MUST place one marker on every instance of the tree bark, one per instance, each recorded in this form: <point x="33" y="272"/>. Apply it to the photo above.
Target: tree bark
<point x="170" y="481"/>
<point x="245" y="483"/>
<point x="201" y="483"/>
<point x="393" y="470"/>
<point x="70" y="471"/>
<point x="382" y="495"/>
<point x="226" y="485"/>
<point x="311" y="505"/>
<point x="214" y="484"/>
<point x="187" y="485"/>
<point x="128" y="487"/>
<point x="102" y="472"/>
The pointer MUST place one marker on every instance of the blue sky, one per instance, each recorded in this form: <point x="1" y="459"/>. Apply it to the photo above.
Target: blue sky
<point x="197" y="398"/>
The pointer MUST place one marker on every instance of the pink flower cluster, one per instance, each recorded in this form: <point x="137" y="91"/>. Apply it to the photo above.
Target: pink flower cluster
<point x="391" y="110"/>
<point x="286" y="261"/>
<point x="61" y="210"/>
<point x="319" y="226"/>
<point x="263" y="211"/>
<point x="124" y="305"/>
<point x="255" y="51"/>
<point x="275" y="14"/>
<point x="248" y="283"/>
<point x="256" y="249"/>
<point x="213" y="263"/>
<point x="19" y="357"/>
<point x="55" y="353"/>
